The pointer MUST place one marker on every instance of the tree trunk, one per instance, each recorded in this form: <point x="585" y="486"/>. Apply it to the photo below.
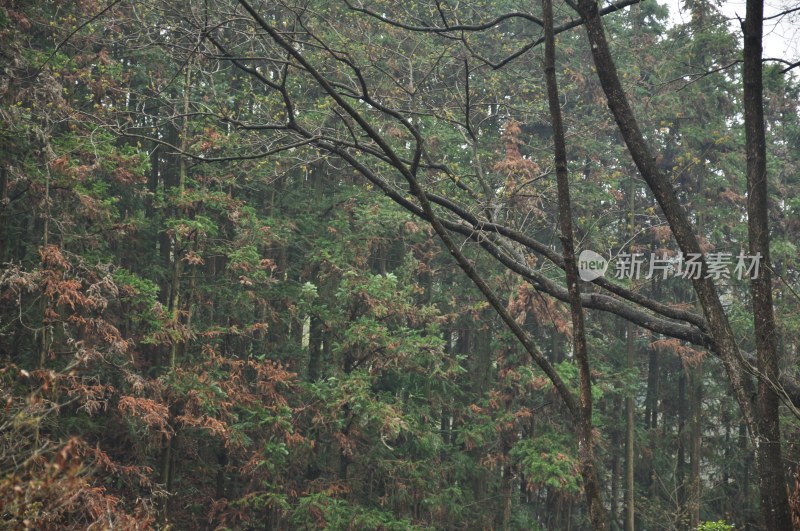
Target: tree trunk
<point x="630" y="351"/>
<point x="680" y="465"/>
<point x="4" y="206"/>
<point x="651" y="401"/>
<point x="314" y="348"/>
<point x="767" y="442"/>
<point x="592" y="490"/>
<point x="616" y="469"/>
<point x="762" y="423"/>
<point x="629" y="434"/>
<point x="696" y="434"/>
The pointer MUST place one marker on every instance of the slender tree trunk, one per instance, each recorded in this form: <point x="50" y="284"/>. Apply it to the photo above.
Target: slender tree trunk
<point x="314" y="348"/>
<point x="4" y="206"/>
<point x="696" y="434"/>
<point x="651" y="411"/>
<point x="482" y="355"/>
<point x="630" y="352"/>
<point x="592" y="490"/>
<point x="629" y="434"/>
<point x="646" y="468"/>
<point x="173" y="256"/>
<point x="557" y="347"/>
<point x="166" y="474"/>
<point x="680" y="465"/>
<point x="767" y="442"/>
<point x="616" y="470"/>
<point x="46" y="334"/>
<point x="222" y="462"/>
<point x="743" y="492"/>
<point x="506" y="492"/>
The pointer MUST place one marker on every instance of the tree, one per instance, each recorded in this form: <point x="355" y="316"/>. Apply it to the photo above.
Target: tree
<point x="712" y="330"/>
<point x="217" y="307"/>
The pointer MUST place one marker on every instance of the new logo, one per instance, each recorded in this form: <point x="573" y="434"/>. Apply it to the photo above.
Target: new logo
<point x="591" y="265"/>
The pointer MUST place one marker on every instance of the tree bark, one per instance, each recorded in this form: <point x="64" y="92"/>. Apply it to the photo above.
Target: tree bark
<point x="629" y="435"/>
<point x="314" y="348"/>
<point x="4" y="206"/>
<point x="663" y="191"/>
<point x="680" y="464"/>
<point x="591" y="485"/>
<point x="762" y="422"/>
<point x="630" y="352"/>
<point x="767" y="442"/>
<point x="696" y="434"/>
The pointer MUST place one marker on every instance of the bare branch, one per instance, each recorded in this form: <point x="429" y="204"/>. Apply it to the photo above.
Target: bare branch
<point x="446" y="28"/>
<point x="783" y="13"/>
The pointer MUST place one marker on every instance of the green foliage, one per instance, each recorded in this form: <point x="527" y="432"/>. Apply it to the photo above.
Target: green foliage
<point x="546" y="460"/>
<point x="269" y="341"/>
<point x="719" y="525"/>
<point x="324" y="511"/>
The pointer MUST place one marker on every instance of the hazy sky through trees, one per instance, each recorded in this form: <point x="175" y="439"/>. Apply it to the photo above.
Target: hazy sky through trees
<point x="781" y="35"/>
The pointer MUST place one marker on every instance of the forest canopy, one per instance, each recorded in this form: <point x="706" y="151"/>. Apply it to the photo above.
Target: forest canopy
<point x="382" y="265"/>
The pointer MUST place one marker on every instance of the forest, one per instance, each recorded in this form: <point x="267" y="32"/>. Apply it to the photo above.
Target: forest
<point x="381" y="265"/>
